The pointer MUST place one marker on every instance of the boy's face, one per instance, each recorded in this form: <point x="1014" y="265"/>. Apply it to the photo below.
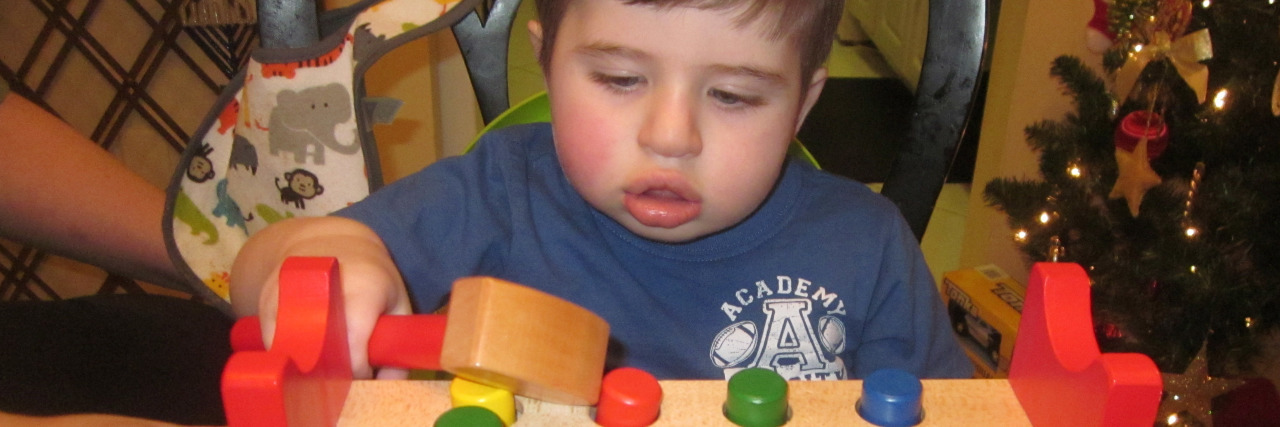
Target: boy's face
<point x="673" y="122"/>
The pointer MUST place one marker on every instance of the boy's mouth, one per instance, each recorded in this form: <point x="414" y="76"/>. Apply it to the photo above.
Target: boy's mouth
<point x="662" y="203"/>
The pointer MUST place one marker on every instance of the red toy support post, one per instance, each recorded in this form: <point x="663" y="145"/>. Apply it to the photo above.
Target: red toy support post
<point x="304" y="379"/>
<point x="1058" y="373"/>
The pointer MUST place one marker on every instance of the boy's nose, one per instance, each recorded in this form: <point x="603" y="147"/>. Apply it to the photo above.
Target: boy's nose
<point x="670" y="127"/>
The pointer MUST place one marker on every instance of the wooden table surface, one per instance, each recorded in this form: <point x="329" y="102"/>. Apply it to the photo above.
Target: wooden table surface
<point x="697" y="403"/>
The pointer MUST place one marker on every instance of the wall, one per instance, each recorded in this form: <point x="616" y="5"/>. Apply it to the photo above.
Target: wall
<point x="440" y="117"/>
<point x="413" y="74"/>
<point x="1021" y="92"/>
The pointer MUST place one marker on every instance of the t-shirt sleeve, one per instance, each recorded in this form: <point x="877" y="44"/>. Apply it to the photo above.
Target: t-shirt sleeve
<point x="908" y="326"/>
<point x="446" y="221"/>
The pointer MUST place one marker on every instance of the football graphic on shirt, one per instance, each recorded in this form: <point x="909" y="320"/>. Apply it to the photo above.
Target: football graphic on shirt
<point x="734" y="344"/>
<point x="831" y="332"/>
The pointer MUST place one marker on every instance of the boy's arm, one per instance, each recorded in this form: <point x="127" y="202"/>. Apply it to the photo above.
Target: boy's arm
<point x="371" y="284"/>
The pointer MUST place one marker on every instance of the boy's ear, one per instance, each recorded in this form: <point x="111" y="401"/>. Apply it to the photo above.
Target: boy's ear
<point x="811" y="96"/>
<point x="535" y="38"/>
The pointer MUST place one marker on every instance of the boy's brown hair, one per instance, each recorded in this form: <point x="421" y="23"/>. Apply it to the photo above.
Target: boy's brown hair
<point x="810" y="24"/>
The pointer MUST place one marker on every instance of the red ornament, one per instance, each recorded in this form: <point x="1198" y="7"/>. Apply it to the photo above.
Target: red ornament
<point x="1111" y="331"/>
<point x="1139" y="124"/>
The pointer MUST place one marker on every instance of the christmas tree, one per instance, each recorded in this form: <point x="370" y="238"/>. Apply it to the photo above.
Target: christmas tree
<point x="1164" y="183"/>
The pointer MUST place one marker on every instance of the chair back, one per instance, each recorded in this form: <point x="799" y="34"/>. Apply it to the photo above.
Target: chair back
<point x="949" y="81"/>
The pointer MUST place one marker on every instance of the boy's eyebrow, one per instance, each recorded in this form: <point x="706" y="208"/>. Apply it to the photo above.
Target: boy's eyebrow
<point x="765" y="76"/>
<point x="599" y="49"/>
<point x="609" y="49"/>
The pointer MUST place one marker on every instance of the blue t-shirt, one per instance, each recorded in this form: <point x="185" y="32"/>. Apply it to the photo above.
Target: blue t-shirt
<point x="823" y="281"/>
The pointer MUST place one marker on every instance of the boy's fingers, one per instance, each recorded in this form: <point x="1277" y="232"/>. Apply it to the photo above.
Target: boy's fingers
<point x="392" y="374"/>
<point x="370" y="292"/>
<point x="361" y="317"/>
<point x="267" y="311"/>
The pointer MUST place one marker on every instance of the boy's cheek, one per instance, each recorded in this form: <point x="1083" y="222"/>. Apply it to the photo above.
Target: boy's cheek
<point x="587" y="133"/>
<point x="584" y="155"/>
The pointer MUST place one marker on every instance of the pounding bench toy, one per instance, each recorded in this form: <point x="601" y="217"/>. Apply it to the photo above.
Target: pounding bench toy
<point x="1058" y="376"/>
<point x="495" y="333"/>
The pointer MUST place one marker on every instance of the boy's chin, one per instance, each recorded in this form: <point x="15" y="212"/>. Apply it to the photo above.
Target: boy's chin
<point x="686" y="232"/>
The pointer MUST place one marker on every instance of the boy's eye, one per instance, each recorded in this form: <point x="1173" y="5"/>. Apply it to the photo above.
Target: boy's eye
<point x="733" y="99"/>
<point x="617" y="82"/>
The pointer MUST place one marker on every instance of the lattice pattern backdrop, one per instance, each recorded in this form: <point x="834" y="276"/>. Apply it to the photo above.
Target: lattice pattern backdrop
<point x="125" y="73"/>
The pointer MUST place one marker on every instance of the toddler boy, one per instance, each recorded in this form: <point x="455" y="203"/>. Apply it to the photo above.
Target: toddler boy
<point x="660" y="197"/>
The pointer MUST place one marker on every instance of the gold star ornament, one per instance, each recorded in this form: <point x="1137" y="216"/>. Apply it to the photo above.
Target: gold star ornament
<point x="1136" y="176"/>
<point x="1188" y="397"/>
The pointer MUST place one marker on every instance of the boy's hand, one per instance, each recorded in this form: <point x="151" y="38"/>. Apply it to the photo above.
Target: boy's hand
<point x="371" y="284"/>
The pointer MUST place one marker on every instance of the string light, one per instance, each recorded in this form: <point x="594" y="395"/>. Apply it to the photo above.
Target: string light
<point x="1189" y="227"/>
<point x="1045" y="217"/>
<point x="1193" y="269"/>
<point x="1205" y="4"/>
<point x="1020" y="235"/>
<point x="1248" y="322"/>
<point x="1073" y="170"/>
<point x="1172" y="419"/>
<point x="1056" y="251"/>
<point x="1220" y="99"/>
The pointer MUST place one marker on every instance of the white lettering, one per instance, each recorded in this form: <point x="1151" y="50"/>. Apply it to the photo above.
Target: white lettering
<point x="826" y="298"/>
<point x="730" y="310"/>
<point x="762" y="290"/>
<point x="743" y="300"/>
<point x="802" y="288"/>
<point x="839" y="309"/>
<point x="784" y="285"/>
<point x="788" y="339"/>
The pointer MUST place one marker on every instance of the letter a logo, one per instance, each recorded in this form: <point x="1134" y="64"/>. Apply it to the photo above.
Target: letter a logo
<point x="788" y="343"/>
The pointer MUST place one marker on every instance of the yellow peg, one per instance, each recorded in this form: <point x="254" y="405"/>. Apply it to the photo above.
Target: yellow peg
<point x="468" y="393"/>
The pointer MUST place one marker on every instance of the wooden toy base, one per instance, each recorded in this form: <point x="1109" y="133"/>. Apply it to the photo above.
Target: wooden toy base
<point x="1057" y="371"/>
<point x="689" y="403"/>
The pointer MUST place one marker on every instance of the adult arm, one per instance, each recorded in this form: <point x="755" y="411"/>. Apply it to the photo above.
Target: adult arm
<point x="66" y="195"/>
<point x="78" y="420"/>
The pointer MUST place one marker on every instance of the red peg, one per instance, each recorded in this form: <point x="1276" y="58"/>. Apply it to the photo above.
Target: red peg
<point x="413" y="342"/>
<point x="629" y="397"/>
<point x="305" y="377"/>
<point x="410" y="342"/>
<point x="246" y="335"/>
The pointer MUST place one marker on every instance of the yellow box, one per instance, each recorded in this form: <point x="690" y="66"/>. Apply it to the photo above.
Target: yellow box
<point x="985" y="305"/>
